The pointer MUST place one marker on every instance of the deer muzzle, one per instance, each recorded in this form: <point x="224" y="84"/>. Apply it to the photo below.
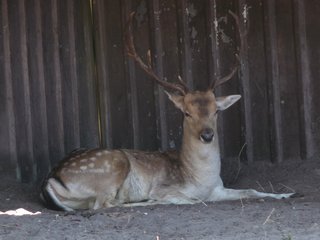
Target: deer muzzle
<point x="207" y="135"/>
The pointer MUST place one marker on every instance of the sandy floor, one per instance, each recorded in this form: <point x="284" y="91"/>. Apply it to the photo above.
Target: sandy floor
<point x="297" y="218"/>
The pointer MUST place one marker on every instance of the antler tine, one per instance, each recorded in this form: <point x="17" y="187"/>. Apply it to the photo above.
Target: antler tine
<point x="225" y="78"/>
<point x="131" y="51"/>
<point x="183" y="83"/>
<point x="220" y="81"/>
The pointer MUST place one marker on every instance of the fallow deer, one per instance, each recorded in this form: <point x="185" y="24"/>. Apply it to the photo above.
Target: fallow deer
<point x="97" y="178"/>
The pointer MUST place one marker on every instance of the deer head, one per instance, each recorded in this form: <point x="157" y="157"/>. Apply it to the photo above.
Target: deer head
<point x="200" y="112"/>
<point x="200" y="108"/>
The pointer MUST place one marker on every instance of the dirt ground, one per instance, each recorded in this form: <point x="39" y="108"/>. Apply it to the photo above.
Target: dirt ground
<point x="297" y="218"/>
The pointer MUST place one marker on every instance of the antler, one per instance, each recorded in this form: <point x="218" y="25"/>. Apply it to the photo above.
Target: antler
<point x="131" y="51"/>
<point x="220" y="81"/>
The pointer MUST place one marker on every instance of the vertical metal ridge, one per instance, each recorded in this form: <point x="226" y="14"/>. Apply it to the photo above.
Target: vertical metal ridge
<point x="103" y="86"/>
<point x="9" y="90"/>
<point x="307" y="142"/>
<point x="94" y="131"/>
<point x="212" y="32"/>
<point x="274" y="89"/>
<point x="57" y="77"/>
<point x="245" y="77"/>
<point x="73" y="74"/>
<point x="134" y="104"/>
<point x="131" y="75"/>
<point x="26" y="97"/>
<point x="184" y="43"/>
<point x="155" y="25"/>
<point x="42" y="89"/>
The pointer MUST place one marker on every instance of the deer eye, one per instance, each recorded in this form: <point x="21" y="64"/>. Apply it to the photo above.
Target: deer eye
<point x="187" y="114"/>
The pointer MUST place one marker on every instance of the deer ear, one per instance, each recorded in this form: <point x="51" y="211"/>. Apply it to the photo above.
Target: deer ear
<point x="178" y="100"/>
<point x="226" y="101"/>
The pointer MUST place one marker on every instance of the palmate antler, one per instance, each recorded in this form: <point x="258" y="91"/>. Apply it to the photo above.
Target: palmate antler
<point x="131" y="51"/>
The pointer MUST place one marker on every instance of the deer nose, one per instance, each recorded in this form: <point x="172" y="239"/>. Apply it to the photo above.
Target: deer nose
<point x="207" y="135"/>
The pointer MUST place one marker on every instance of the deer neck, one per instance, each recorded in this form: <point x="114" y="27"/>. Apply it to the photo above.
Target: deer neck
<point x="200" y="159"/>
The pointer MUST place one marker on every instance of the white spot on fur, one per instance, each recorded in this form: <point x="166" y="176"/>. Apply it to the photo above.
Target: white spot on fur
<point x="91" y="165"/>
<point x="106" y="167"/>
<point x="106" y="152"/>
<point x="93" y="159"/>
<point x="83" y="168"/>
<point x="73" y="164"/>
<point x="99" y="154"/>
<point x="83" y="160"/>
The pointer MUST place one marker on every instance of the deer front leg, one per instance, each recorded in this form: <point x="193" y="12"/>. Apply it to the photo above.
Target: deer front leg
<point x="164" y="196"/>
<point x="167" y="200"/>
<point x="221" y="194"/>
<point x="172" y="195"/>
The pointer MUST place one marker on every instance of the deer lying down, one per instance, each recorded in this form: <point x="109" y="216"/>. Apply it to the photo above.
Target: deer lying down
<point x="92" y="179"/>
<point x="98" y="178"/>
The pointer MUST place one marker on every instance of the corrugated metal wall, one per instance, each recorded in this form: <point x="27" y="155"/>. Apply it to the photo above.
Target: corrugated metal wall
<point x="279" y="115"/>
<point x="47" y="86"/>
<point x="48" y="76"/>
